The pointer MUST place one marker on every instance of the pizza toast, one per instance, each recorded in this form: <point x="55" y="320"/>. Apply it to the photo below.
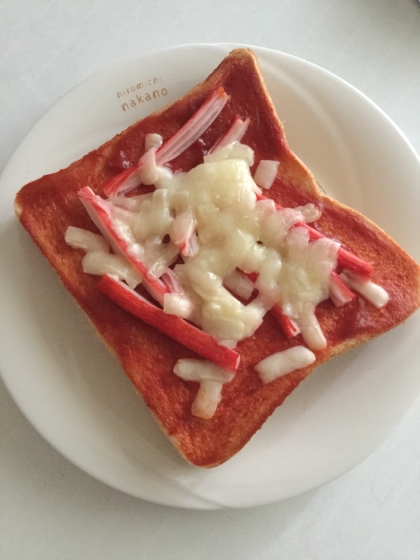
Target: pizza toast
<point x="48" y="206"/>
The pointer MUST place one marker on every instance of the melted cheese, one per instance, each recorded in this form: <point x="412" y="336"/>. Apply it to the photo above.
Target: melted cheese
<point x="212" y="215"/>
<point x="212" y="218"/>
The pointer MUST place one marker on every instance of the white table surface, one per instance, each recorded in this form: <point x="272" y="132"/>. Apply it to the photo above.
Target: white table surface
<point x="49" y="509"/>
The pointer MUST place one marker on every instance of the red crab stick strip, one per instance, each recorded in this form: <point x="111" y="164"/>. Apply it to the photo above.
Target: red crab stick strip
<point x="193" y="128"/>
<point x="172" y="148"/>
<point x="234" y="133"/>
<point x="289" y="327"/>
<point x="345" y="259"/>
<point x="123" y="182"/>
<point x="186" y="334"/>
<point x="144" y="172"/>
<point x="340" y="293"/>
<point x="100" y="212"/>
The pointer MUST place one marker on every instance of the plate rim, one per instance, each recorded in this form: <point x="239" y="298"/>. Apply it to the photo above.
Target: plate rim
<point x="109" y="70"/>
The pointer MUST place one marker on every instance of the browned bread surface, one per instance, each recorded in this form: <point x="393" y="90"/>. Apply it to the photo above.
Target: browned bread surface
<point x="47" y="206"/>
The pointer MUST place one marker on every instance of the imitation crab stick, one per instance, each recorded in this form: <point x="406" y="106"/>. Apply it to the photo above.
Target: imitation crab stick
<point x="289" y="327"/>
<point x="100" y="212"/>
<point x="194" y="127"/>
<point x="340" y="293"/>
<point x="172" y="148"/>
<point x="171" y="325"/>
<point x="234" y="133"/>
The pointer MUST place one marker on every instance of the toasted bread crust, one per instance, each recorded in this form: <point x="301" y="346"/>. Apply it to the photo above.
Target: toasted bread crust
<point x="46" y="208"/>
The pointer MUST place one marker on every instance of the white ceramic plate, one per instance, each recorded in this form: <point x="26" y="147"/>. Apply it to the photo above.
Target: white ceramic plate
<point x="71" y="389"/>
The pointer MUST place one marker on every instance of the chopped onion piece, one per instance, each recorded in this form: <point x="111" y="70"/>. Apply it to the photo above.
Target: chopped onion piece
<point x="282" y="363"/>
<point x="311" y="329"/>
<point x="239" y="284"/>
<point x="219" y="325"/>
<point x="310" y="212"/>
<point x="148" y="171"/>
<point x="254" y="315"/>
<point x="80" y="238"/>
<point x="135" y="251"/>
<point x="208" y="397"/>
<point x="265" y="173"/>
<point x="265" y="207"/>
<point x="182" y="231"/>
<point x="276" y="225"/>
<point x="100" y="263"/>
<point x="178" y="304"/>
<point x="158" y="256"/>
<point x="200" y="370"/>
<point x="181" y="201"/>
<point x="144" y="222"/>
<point x="268" y="280"/>
<point x="152" y="140"/>
<point x="211" y="379"/>
<point x="205" y="283"/>
<point x="368" y="289"/>
<point x="125" y="219"/>
<point x="235" y="150"/>
<point x="228" y="343"/>
<point x="154" y="217"/>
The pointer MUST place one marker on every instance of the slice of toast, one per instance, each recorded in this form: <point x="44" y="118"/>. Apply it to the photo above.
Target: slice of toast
<point x="47" y="206"/>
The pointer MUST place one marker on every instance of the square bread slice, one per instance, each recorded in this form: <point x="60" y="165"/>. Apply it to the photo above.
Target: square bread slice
<point x="48" y="206"/>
